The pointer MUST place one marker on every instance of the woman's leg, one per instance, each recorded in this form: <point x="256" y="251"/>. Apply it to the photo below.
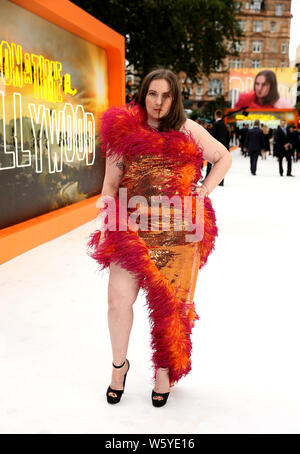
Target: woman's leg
<point x="122" y="292"/>
<point x="162" y="384"/>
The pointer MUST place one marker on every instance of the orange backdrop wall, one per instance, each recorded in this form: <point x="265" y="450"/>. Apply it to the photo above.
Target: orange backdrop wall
<point x="23" y="236"/>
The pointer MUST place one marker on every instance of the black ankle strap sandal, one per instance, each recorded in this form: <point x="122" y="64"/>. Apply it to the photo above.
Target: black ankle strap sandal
<point x="119" y="367"/>
<point x="118" y="392"/>
<point x="160" y="402"/>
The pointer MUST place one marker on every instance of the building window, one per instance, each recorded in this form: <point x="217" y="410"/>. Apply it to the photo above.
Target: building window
<point x="231" y="46"/>
<point x="238" y="6"/>
<point x="255" y="5"/>
<point x="282" y="64"/>
<point x="272" y="27"/>
<point x="239" y="47"/>
<point x="243" y="25"/>
<point x="236" y="63"/>
<point x="255" y="63"/>
<point x="257" y="26"/>
<point x="256" y="47"/>
<point x="278" y="9"/>
<point x="283" y="47"/>
<point x="199" y="92"/>
<point x="215" y="87"/>
<point x="246" y="5"/>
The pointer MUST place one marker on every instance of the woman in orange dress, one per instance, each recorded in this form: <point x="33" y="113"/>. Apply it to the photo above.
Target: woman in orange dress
<point x="153" y="160"/>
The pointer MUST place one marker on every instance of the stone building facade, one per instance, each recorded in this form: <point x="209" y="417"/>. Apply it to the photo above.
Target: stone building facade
<point x="266" y="28"/>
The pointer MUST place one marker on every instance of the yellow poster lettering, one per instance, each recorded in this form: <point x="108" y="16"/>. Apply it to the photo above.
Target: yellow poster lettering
<point x="35" y="60"/>
<point x="27" y="70"/>
<point x="17" y="63"/>
<point x="5" y="63"/>
<point x="18" y="69"/>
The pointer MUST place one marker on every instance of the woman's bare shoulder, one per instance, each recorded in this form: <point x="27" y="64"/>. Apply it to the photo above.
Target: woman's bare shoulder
<point x="188" y="124"/>
<point x="192" y="126"/>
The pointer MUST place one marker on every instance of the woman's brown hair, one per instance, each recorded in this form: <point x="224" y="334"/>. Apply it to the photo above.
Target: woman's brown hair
<point x="176" y="116"/>
<point x="273" y="94"/>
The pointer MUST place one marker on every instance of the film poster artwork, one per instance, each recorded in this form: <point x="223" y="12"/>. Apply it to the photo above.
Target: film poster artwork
<point x="53" y="88"/>
<point x="263" y="88"/>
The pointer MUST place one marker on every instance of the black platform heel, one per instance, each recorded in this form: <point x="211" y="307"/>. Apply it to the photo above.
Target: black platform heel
<point x="118" y="392"/>
<point x="160" y="402"/>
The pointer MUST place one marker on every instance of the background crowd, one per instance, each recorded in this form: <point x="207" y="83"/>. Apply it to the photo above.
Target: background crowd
<point x="257" y="141"/>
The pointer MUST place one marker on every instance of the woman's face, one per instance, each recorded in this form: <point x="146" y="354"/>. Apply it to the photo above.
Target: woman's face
<point x="262" y="87"/>
<point x="158" y="99"/>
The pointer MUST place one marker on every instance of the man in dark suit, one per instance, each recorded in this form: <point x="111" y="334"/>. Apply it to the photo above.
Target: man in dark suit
<point x="295" y="142"/>
<point x="242" y="137"/>
<point x="283" y="148"/>
<point x="254" y="143"/>
<point x="219" y="132"/>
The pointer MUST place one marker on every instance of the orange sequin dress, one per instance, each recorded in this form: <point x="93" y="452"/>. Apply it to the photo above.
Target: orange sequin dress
<point x="160" y="253"/>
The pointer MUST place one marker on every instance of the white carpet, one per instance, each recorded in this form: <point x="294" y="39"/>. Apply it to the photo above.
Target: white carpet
<point x="55" y="352"/>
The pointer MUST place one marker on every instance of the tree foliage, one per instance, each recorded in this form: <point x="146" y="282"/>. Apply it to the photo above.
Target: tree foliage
<point x="183" y="35"/>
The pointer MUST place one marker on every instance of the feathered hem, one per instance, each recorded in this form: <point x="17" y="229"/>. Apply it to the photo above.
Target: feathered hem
<point x="207" y="244"/>
<point x="171" y="318"/>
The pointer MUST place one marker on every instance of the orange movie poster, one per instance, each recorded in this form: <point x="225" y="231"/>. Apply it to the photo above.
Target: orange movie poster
<point x="53" y="88"/>
<point x="263" y="88"/>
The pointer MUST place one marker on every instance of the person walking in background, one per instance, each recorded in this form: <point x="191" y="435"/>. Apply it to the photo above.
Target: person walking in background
<point x="283" y="148"/>
<point x="219" y="132"/>
<point x="209" y="127"/>
<point x="228" y="137"/>
<point x="271" y="141"/>
<point x="254" y="144"/>
<point x="293" y="137"/>
<point x="236" y="132"/>
<point x="275" y="154"/>
<point x="242" y="137"/>
<point x="265" y="131"/>
<point x="229" y="128"/>
<point x="298" y="145"/>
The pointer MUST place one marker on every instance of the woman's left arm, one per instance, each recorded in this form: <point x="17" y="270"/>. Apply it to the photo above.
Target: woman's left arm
<point x="214" y="152"/>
